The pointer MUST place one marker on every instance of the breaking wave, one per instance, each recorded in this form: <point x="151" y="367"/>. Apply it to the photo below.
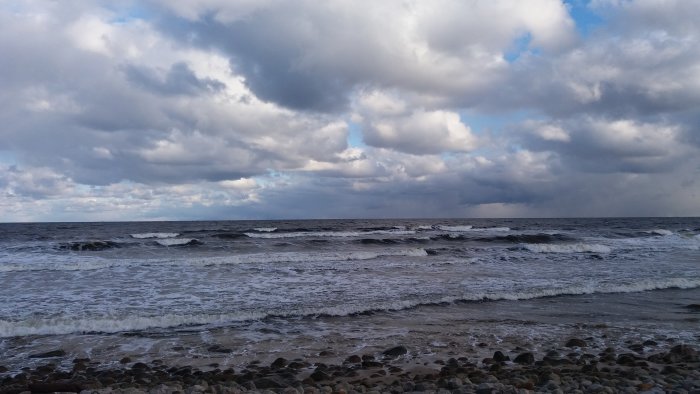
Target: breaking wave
<point x="64" y="325"/>
<point x="254" y="258"/>
<point x="265" y="229"/>
<point x="89" y="246"/>
<point x="228" y="235"/>
<point x="541" y="238"/>
<point x="660" y="231"/>
<point x="178" y="242"/>
<point x="344" y="234"/>
<point x="566" y="248"/>
<point x="455" y="228"/>
<point x="469" y="229"/>
<point x="154" y="235"/>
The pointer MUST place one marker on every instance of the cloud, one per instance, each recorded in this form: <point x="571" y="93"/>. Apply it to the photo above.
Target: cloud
<point x="309" y="56"/>
<point x="266" y="109"/>
<point x="609" y="146"/>
<point x="388" y="122"/>
<point x="179" y="79"/>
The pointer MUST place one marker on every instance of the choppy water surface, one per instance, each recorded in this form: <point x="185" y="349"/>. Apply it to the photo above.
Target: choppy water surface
<point x="294" y="281"/>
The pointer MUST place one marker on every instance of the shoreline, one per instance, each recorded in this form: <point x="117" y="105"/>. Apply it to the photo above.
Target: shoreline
<point x="578" y="365"/>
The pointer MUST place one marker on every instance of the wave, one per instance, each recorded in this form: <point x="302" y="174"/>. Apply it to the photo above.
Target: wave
<point x="392" y="241"/>
<point x="343" y="234"/>
<point x="449" y="237"/>
<point x="89" y="245"/>
<point x="265" y="229"/>
<point x="382" y="228"/>
<point x="178" y="242"/>
<point x="541" y="238"/>
<point x="293" y="257"/>
<point x="469" y="229"/>
<point x="154" y="235"/>
<point x="70" y="265"/>
<point x="454" y="228"/>
<point x="566" y="248"/>
<point x="254" y="258"/>
<point x="660" y="231"/>
<point x="228" y="235"/>
<point x="65" y="325"/>
<point x="377" y="241"/>
<point x="491" y="229"/>
<point x="593" y="288"/>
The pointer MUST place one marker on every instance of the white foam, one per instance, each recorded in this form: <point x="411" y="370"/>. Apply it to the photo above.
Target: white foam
<point x="591" y="288"/>
<point x="265" y="229"/>
<point x="60" y="265"/>
<point x="175" y="241"/>
<point x="328" y="234"/>
<point x="290" y="257"/>
<point x="455" y="228"/>
<point x="66" y="325"/>
<point x="111" y="324"/>
<point x="567" y="248"/>
<point x="424" y="228"/>
<point x="154" y="235"/>
<point x="464" y="229"/>
<point x="64" y="264"/>
<point x="660" y="231"/>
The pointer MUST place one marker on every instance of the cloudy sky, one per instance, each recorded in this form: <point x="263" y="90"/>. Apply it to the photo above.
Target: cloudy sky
<point x="262" y="109"/>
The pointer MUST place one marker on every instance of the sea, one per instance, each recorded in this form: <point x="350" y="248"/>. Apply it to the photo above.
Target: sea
<point x="223" y="293"/>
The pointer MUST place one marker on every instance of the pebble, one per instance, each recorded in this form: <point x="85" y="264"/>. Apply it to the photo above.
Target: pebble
<point x="674" y="370"/>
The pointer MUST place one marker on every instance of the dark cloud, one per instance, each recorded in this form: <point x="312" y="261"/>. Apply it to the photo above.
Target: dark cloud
<point x="244" y="109"/>
<point x="263" y="49"/>
<point x="179" y="79"/>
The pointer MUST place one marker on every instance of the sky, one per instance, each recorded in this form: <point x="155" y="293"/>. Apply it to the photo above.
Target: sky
<point x="270" y="109"/>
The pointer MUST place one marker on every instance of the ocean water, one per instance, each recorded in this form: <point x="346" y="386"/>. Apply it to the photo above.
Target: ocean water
<point x="239" y="290"/>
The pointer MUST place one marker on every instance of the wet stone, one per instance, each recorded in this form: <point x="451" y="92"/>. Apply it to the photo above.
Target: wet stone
<point x="575" y="342"/>
<point x="218" y="349"/>
<point x="525" y="358"/>
<point x="500" y="357"/>
<point x="395" y="352"/>
<point x="320" y="376"/>
<point x="354" y="359"/>
<point x="278" y="363"/>
<point x="52" y="353"/>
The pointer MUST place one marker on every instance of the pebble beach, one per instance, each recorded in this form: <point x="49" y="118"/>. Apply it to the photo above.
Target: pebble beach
<point x="571" y="367"/>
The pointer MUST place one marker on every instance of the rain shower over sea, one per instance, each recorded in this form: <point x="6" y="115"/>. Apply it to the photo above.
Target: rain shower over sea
<point x="234" y="291"/>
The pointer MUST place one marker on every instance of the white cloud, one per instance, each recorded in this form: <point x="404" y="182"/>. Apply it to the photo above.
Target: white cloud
<point x="244" y="108"/>
<point x="421" y="132"/>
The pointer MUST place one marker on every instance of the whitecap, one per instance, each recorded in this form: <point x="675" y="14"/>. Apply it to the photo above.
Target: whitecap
<point x="66" y="325"/>
<point x="660" y="231"/>
<point x="265" y="229"/>
<point x="455" y="228"/>
<point x="324" y="234"/>
<point x="154" y="235"/>
<point x="567" y="248"/>
<point x="253" y="258"/>
<point x="111" y="324"/>
<point x="591" y="288"/>
<point x="176" y="241"/>
<point x="472" y="229"/>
